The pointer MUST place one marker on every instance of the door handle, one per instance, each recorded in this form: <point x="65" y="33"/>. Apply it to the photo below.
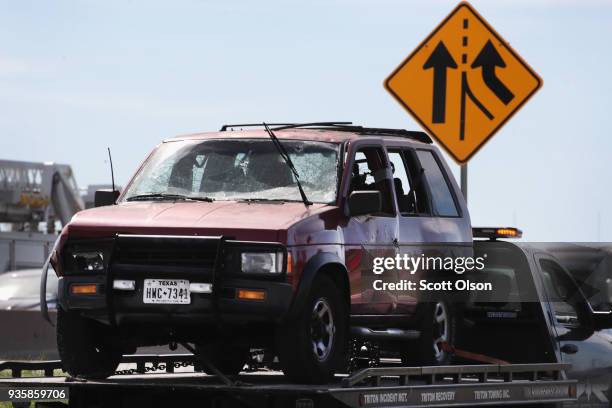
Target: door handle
<point x="569" y="348"/>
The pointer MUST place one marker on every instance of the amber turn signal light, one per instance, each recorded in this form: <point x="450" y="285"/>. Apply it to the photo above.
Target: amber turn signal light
<point x="84" y="289"/>
<point x="289" y="264"/>
<point x="248" y="294"/>
<point x="496" y="232"/>
<point x="508" y="233"/>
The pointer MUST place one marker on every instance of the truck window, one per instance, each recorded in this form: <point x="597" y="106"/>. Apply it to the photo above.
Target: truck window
<point x="400" y="182"/>
<point x="369" y="172"/>
<point x="442" y="199"/>
<point x="410" y="194"/>
<point x="561" y="292"/>
<point x="506" y="296"/>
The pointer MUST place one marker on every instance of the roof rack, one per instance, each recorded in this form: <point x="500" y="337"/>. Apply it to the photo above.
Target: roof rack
<point x="343" y="127"/>
<point x="284" y="125"/>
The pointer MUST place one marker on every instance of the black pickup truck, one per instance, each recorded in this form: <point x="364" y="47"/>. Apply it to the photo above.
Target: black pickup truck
<point x="540" y="312"/>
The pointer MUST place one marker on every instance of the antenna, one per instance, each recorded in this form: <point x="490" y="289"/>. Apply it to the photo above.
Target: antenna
<point x="110" y="159"/>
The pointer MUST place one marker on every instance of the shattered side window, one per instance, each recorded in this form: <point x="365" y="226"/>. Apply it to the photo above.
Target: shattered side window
<point x="240" y="169"/>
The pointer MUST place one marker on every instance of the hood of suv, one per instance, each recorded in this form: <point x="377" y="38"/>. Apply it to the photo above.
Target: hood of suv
<point x="257" y="221"/>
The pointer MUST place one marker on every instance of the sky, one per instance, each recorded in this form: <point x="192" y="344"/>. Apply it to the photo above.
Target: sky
<point x="76" y="77"/>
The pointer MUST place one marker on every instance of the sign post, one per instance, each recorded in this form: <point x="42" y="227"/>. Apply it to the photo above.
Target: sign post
<point x="464" y="180"/>
<point x="463" y="83"/>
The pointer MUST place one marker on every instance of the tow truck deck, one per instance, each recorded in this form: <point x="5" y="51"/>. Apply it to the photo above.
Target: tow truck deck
<point x="389" y="386"/>
<point x="514" y="337"/>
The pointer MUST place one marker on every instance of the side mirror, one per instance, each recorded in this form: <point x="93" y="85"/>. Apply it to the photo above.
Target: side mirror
<point x="105" y="197"/>
<point x="364" y="202"/>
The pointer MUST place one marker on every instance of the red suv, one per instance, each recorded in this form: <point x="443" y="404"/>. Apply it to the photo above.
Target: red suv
<point x="262" y="238"/>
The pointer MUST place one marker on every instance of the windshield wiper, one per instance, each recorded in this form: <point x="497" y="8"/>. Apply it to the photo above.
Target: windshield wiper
<point x="283" y="153"/>
<point x="164" y="196"/>
<point x="197" y="198"/>
<point x="248" y="200"/>
<point x="271" y="200"/>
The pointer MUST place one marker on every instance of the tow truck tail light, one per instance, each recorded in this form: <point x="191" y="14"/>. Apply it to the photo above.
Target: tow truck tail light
<point x="494" y="233"/>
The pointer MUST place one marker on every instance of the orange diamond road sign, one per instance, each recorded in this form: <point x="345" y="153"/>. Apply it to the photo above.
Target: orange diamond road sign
<point x="463" y="82"/>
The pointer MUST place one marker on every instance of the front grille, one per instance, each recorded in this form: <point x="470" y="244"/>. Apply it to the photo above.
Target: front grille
<point x="168" y="251"/>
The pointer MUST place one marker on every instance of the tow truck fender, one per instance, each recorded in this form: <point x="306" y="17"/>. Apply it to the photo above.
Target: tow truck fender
<point x="313" y="266"/>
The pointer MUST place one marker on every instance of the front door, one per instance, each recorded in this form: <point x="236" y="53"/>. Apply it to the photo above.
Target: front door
<point x="369" y="238"/>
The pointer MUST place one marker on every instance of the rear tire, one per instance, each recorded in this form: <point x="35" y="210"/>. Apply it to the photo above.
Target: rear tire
<point x="84" y="348"/>
<point x="312" y="347"/>
<point x="438" y="326"/>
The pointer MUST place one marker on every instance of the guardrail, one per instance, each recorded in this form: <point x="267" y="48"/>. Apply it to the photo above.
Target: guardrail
<point x="33" y="246"/>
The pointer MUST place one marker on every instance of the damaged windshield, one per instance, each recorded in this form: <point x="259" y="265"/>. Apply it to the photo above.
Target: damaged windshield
<point x="238" y="169"/>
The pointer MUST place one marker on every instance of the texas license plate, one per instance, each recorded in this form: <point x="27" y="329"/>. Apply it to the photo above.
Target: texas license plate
<point x="166" y="291"/>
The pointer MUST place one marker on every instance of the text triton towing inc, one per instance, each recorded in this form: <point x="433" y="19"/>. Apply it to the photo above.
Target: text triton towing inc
<point x="425" y="285"/>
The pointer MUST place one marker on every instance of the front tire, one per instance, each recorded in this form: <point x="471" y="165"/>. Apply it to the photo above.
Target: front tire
<point x="84" y="347"/>
<point x="312" y="347"/>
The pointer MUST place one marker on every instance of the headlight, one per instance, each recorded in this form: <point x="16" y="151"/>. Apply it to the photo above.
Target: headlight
<point x="89" y="261"/>
<point x="262" y="262"/>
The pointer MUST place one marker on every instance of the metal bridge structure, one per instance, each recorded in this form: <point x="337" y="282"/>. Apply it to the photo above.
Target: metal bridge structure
<point x="32" y="193"/>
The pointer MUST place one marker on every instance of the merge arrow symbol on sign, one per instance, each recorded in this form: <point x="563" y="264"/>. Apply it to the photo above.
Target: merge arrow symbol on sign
<point x="440" y="60"/>
<point x="488" y="59"/>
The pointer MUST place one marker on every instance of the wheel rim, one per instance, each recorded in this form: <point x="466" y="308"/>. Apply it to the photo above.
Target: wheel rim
<point x="441" y="326"/>
<point x="322" y="329"/>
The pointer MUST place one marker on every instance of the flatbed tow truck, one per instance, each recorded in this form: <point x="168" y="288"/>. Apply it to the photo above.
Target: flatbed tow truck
<point x="390" y="386"/>
<point x="520" y="331"/>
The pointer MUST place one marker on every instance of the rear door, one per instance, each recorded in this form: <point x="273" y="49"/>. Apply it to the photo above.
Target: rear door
<point x="432" y="221"/>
